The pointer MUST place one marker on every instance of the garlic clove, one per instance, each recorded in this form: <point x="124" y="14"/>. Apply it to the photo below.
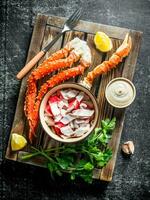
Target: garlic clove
<point x="128" y="147"/>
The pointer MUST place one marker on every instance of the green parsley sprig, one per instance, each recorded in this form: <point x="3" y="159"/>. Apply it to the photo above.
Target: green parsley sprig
<point x="93" y="153"/>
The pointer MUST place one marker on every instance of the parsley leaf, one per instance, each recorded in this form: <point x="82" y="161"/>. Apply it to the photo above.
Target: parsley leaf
<point x="93" y="153"/>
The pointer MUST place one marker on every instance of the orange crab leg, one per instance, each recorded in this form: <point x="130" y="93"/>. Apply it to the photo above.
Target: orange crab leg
<point x="59" y="54"/>
<point x="55" y="80"/>
<point x="53" y="63"/>
<point x="48" y="67"/>
<point x="41" y="71"/>
<point x="114" y="60"/>
<point x="32" y="90"/>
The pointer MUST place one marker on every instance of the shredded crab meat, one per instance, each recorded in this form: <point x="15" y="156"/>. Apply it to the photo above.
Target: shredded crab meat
<point x="76" y="125"/>
<point x="58" y="118"/>
<point x="67" y="119"/>
<point x="67" y="130"/>
<point x="71" y="125"/>
<point x="82" y="121"/>
<point x="83" y="105"/>
<point x="72" y="93"/>
<point x="54" y="108"/>
<point x="47" y="111"/>
<point x="49" y="121"/>
<point x="63" y="112"/>
<point x="69" y="114"/>
<point x="85" y="125"/>
<point x="64" y="94"/>
<point x="73" y="105"/>
<point x="80" y="96"/>
<point x="89" y="104"/>
<point x="81" y="130"/>
<point x="68" y="94"/>
<point x="81" y="48"/>
<point x="63" y="104"/>
<point x="83" y="113"/>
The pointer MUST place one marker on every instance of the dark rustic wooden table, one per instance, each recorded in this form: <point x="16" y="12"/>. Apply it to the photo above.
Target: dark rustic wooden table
<point x="132" y="176"/>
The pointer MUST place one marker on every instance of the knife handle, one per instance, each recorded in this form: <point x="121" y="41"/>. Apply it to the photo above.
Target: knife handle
<point x="29" y="65"/>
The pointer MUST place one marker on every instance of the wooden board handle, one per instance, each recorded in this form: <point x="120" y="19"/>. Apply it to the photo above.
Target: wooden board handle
<point x="29" y="65"/>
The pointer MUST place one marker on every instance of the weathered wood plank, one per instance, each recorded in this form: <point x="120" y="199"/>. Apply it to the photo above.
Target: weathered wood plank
<point x="96" y="59"/>
<point x="48" y="142"/>
<point x="128" y="72"/>
<point x="44" y="31"/>
<point x="107" y="172"/>
<point x="36" y="161"/>
<point x="104" y="108"/>
<point x="130" y="62"/>
<point x="50" y="33"/>
<point x="90" y="27"/>
<point x="19" y="118"/>
<point x="69" y="36"/>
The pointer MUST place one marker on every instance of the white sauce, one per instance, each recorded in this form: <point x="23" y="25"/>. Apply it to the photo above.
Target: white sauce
<point x="120" y="93"/>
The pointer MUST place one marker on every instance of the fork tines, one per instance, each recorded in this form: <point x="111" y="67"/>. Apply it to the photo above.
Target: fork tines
<point x="74" y="18"/>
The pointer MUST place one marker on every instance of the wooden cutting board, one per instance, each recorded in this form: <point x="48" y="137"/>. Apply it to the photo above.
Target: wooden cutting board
<point x="45" y="29"/>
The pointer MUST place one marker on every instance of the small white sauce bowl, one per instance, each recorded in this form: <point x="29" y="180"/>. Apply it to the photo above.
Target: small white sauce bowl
<point x="120" y="92"/>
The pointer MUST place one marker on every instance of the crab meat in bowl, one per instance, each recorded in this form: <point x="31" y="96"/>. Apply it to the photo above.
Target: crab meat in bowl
<point x="68" y="114"/>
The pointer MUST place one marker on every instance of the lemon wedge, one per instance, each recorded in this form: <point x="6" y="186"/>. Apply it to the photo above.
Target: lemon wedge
<point x="102" y="42"/>
<point x="17" y="142"/>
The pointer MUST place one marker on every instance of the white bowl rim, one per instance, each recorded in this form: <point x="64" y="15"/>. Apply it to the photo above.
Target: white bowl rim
<point x="128" y="81"/>
<point x="47" y="128"/>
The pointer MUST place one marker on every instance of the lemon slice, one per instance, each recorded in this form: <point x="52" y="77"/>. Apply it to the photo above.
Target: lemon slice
<point x="17" y="142"/>
<point x="102" y="42"/>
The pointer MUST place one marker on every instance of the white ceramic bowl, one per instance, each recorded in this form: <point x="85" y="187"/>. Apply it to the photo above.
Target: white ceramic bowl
<point x="120" y="92"/>
<point x="48" y="130"/>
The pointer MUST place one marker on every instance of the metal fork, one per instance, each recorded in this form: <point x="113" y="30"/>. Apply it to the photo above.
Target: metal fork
<point x="68" y="25"/>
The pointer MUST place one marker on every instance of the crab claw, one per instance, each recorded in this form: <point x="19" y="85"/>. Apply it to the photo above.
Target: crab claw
<point x="113" y="61"/>
<point x="125" y="47"/>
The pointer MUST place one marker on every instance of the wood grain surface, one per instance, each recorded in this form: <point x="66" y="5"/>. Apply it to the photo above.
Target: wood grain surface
<point x="46" y="27"/>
